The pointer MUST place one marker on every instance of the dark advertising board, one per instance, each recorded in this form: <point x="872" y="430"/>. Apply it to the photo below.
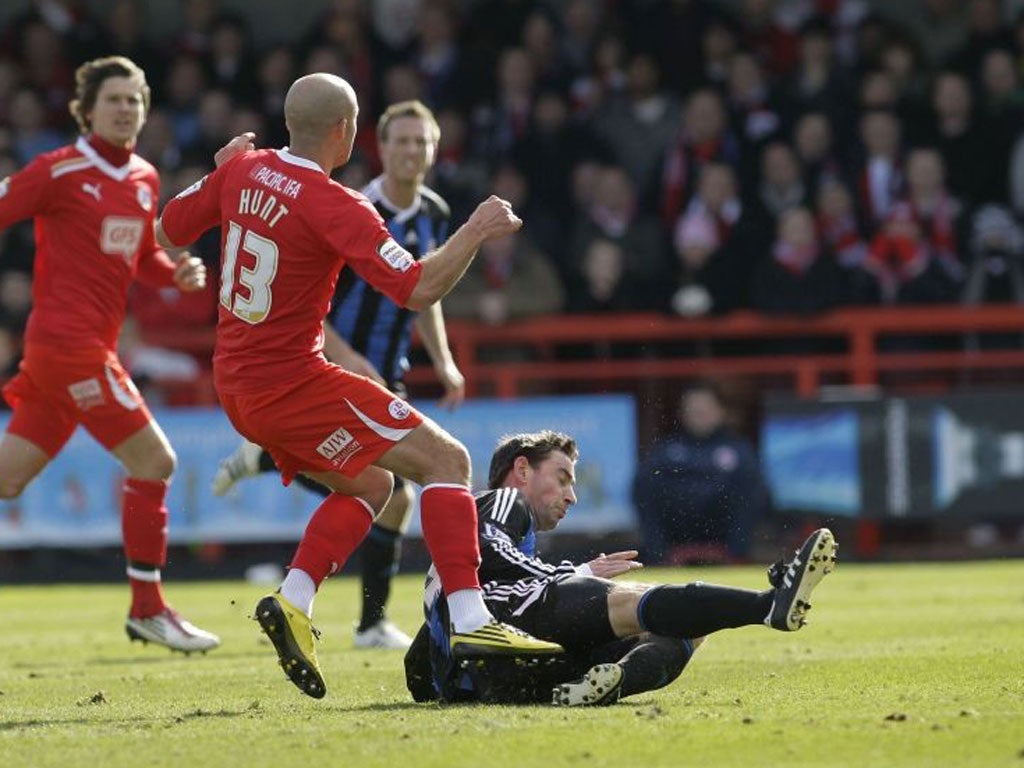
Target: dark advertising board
<point x="903" y="457"/>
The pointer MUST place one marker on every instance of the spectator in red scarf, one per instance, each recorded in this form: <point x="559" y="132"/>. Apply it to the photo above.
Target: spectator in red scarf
<point x="704" y="138"/>
<point x="797" y="275"/>
<point x="613" y="213"/>
<point x="914" y="257"/>
<point x="837" y="225"/>
<point x="880" y="173"/>
<point x="711" y="252"/>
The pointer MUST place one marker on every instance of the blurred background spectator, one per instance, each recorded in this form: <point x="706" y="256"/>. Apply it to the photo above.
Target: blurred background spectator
<point x="698" y="491"/>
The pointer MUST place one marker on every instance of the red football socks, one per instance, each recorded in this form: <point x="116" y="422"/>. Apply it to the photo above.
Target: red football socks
<point x="337" y="527"/>
<point x="448" y="516"/>
<point x="144" y="529"/>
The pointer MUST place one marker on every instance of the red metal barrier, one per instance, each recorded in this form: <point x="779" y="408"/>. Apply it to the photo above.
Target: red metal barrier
<point x="855" y="332"/>
<point x="599" y="349"/>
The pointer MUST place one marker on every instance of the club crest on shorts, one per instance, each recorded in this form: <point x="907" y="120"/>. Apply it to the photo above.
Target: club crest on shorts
<point x="399" y="409"/>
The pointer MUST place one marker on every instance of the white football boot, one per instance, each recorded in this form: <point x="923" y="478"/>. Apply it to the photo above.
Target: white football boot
<point x="169" y="629"/>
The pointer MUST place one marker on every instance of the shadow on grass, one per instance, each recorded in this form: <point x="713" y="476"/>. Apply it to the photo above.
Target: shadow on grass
<point x="157" y="657"/>
<point x="169" y="721"/>
<point x="19" y="725"/>
<point x="384" y="706"/>
<point x="166" y="656"/>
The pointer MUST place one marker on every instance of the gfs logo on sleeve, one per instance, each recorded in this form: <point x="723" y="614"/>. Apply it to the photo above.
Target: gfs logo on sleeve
<point x="395" y="255"/>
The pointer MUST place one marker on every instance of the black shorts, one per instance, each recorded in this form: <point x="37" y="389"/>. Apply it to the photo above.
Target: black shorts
<point x="572" y="612"/>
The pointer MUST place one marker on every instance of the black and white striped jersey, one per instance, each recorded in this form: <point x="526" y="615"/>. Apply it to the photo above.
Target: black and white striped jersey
<point x="511" y="574"/>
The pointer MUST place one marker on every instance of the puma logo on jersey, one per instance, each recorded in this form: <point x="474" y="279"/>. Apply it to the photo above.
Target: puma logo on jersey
<point x="91" y="189"/>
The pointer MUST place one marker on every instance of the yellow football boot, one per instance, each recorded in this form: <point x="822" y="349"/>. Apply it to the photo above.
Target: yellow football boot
<point x="291" y="632"/>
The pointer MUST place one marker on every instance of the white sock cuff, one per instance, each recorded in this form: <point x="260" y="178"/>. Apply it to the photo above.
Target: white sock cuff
<point x="467" y="610"/>
<point x="367" y="507"/>
<point x="299" y="589"/>
<point x="456" y="486"/>
<point x="143" y="575"/>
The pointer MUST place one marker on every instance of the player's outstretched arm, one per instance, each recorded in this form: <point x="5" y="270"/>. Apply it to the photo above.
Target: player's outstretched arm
<point x="615" y="564"/>
<point x="443" y="268"/>
<point x="430" y="324"/>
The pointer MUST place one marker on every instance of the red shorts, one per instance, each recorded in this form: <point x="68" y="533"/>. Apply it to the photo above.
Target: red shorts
<point x="55" y="390"/>
<point x="331" y="421"/>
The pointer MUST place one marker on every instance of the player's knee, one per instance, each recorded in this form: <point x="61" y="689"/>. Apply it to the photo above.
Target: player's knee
<point x="156" y="465"/>
<point x="453" y="464"/>
<point x="378" y="490"/>
<point x="396" y="512"/>
<point x="623" y="609"/>
<point x="11" y="487"/>
<point x="165" y="464"/>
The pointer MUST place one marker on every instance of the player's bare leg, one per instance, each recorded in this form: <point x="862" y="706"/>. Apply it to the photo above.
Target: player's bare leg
<point x="20" y="461"/>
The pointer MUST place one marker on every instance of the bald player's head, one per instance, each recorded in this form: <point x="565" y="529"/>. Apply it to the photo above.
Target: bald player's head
<point x="315" y="104"/>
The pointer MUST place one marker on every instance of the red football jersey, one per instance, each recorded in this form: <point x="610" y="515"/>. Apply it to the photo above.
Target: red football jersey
<point x="94" y="234"/>
<point x="287" y="229"/>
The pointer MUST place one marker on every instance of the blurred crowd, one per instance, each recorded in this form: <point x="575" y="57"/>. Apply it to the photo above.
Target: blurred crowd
<point x="686" y="156"/>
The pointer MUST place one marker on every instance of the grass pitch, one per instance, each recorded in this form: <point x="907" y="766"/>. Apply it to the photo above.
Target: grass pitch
<point x="901" y="665"/>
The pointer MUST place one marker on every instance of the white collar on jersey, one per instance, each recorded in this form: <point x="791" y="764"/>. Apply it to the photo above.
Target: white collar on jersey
<point x="120" y="174"/>
<point x="375" y="191"/>
<point x="285" y="154"/>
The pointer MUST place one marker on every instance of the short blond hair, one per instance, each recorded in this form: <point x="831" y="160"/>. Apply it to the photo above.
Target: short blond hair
<point x="411" y="108"/>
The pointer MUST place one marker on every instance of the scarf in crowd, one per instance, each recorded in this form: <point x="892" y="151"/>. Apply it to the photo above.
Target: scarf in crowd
<point x="936" y="224"/>
<point x="896" y="259"/>
<point x="843" y="237"/>
<point x="682" y="166"/>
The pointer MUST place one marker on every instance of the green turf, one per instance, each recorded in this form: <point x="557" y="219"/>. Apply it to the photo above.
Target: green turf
<point x="915" y="665"/>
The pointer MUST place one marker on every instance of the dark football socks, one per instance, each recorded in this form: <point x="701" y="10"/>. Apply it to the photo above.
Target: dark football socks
<point x="698" y="609"/>
<point x="380" y="552"/>
<point x="654" y="663"/>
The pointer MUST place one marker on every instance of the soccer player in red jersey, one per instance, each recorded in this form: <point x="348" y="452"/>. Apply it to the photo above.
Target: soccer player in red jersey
<point x="287" y="230"/>
<point x="94" y="203"/>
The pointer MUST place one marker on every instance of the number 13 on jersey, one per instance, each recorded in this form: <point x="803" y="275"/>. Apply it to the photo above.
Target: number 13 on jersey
<point x="254" y="307"/>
